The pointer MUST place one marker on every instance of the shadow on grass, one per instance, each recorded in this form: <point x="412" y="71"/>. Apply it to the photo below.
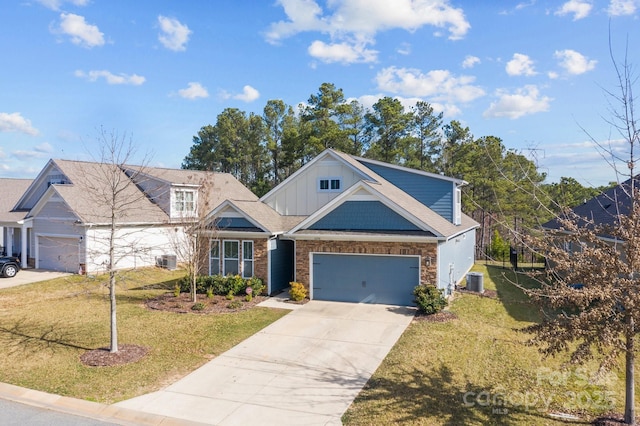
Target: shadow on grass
<point x="435" y="397"/>
<point x="28" y="336"/>
<point x="515" y="301"/>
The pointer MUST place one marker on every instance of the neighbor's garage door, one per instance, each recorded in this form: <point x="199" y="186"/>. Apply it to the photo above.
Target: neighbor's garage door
<point x="58" y="254"/>
<point x="365" y="278"/>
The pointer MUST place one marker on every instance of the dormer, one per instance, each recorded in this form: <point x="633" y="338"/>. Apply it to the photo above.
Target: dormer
<point x="184" y="201"/>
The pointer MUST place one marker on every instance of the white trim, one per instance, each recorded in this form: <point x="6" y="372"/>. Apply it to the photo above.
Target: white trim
<point x="253" y="259"/>
<point x="329" y="180"/>
<point x="369" y="237"/>
<point x="224" y="258"/>
<point x="220" y="209"/>
<point x="312" y="253"/>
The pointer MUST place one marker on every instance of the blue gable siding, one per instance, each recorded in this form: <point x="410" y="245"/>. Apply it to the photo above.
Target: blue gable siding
<point x="363" y="216"/>
<point x="233" y="222"/>
<point x="437" y="194"/>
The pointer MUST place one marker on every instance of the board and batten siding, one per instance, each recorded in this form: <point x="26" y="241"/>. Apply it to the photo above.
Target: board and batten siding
<point x="363" y="215"/>
<point x="300" y="196"/>
<point x="455" y="259"/>
<point x="437" y="194"/>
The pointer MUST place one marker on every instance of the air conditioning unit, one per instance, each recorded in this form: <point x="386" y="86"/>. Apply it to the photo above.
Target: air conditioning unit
<point x="168" y="261"/>
<point x="475" y="282"/>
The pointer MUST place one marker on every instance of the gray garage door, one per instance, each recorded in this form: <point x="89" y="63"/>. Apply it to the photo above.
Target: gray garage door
<point x="363" y="278"/>
<point x="58" y="254"/>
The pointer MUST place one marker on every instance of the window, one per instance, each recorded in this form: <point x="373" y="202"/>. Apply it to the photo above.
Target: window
<point x="247" y="259"/>
<point x="230" y="264"/>
<point x="214" y="260"/>
<point x="329" y="184"/>
<point x="185" y="201"/>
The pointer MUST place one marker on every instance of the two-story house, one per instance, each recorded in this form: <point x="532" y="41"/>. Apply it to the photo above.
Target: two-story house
<point x="61" y="221"/>
<point x="350" y="229"/>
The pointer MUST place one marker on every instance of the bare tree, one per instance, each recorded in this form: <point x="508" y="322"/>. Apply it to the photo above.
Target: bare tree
<point x="590" y="293"/>
<point x="112" y="202"/>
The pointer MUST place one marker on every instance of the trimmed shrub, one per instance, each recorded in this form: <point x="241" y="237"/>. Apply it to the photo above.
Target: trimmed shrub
<point x="429" y="299"/>
<point x="257" y="286"/>
<point x="297" y="292"/>
<point x="198" y="306"/>
<point x="221" y="285"/>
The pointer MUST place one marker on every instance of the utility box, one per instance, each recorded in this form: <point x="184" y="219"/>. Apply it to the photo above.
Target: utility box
<point x="475" y="282"/>
<point x="169" y="261"/>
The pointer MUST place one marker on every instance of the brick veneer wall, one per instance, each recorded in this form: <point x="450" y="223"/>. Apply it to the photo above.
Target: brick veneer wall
<point x="426" y="251"/>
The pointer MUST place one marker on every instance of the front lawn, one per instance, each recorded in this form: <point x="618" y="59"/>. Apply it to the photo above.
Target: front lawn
<point x="476" y="369"/>
<point x="46" y="327"/>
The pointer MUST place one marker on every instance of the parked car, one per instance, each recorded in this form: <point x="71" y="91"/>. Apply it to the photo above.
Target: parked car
<point x="9" y="266"/>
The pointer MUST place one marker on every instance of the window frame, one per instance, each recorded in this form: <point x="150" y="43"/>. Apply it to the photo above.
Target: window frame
<point x="225" y="258"/>
<point x="211" y="258"/>
<point x="180" y="201"/>
<point x="249" y="260"/>
<point x="333" y="184"/>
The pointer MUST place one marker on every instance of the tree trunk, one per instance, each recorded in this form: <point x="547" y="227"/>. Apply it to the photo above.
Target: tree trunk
<point x="629" y="395"/>
<point x="112" y="299"/>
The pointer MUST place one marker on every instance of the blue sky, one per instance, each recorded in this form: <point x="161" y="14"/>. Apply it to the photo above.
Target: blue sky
<point x="532" y="73"/>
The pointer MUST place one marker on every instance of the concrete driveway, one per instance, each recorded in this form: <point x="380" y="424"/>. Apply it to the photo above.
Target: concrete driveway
<point x="306" y="368"/>
<point x="28" y="276"/>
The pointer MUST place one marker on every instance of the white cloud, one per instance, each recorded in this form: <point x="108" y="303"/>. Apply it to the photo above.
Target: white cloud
<point x="573" y="62"/>
<point x="249" y="94"/>
<point x="56" y="4"/>
<point x="470" y="61"/>
<point x="520" y="65"/>
<point x="579" y="8"/>
<point x="622" y="7"/>
<point x="440" y="85"/>
<point x="81" y="33"/>
<point x="356" y="22"/>
<point x="404" y="49"/>
<point x="194" y="91"/>
<point x="341" y="52"/>
<point x="174" y="35"/>
<point x="110" y="78"/>
<point x="524" y="101"/>
<point x="15" y="122"/>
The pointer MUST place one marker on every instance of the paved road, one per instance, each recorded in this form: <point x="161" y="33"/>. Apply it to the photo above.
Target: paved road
<point x="14" y="413"/>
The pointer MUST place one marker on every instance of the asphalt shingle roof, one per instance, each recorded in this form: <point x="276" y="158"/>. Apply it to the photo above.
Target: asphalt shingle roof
<point x="10" y="192"/>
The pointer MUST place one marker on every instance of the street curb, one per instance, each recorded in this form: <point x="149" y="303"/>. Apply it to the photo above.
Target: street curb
<point x="83" y="408"/>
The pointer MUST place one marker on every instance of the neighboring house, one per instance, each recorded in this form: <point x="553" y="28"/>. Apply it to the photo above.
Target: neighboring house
<point x="601" y="210"/>
<point x="349" y="229"/>
<point x="64" y="227"/>
<point x="13" y="229"/>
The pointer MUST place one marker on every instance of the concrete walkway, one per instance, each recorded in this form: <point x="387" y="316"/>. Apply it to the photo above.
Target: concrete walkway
<point x="28" y="276"/>
<point x="306" y="368"/>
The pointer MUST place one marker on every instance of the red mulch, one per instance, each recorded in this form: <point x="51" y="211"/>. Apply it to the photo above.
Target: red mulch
<point x="103" y="358"/>
<point x="215" y="305"/>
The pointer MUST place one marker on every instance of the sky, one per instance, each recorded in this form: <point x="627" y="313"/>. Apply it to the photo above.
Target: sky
<point x="535" y="73"/>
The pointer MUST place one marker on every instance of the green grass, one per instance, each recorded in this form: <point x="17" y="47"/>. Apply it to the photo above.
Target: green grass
<point x="45" y="328"/>
<point x="480" y="358"/>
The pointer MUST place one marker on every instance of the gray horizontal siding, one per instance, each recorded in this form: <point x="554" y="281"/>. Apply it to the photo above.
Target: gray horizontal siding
<point x="364" y="216"/>
<point x="437" y="194"/>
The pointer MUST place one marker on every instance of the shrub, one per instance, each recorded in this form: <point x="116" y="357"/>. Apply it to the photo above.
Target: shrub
<point x="257" y="286"/>
<point x="297" y="292"/>
<point x="210" y="292"/>
<point x="229" y="295"/>
<point x="198" y="306"/>
<point x="429" y="299"/>
<point x="176" y="290"/>
<point x="236" y="304"/>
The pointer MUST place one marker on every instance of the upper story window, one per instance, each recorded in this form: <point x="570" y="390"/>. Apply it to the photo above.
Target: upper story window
<point x="330" y="184"/>
<point x="184" y="201"/>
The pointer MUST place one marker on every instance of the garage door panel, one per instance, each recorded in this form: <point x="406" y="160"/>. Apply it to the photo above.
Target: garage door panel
<point x="365" y="278"/>
<point x="58" y="254"/>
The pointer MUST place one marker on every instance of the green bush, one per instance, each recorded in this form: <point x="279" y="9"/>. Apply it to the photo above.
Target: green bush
<point x="222" y="285"/>
<point x="198" y="306"/>
<point x="236" y="304"/>
<point x="429" y="299"/>
<point x="297" y="292"/>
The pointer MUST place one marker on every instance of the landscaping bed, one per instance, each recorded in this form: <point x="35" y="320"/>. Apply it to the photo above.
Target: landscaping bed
<point x="204" y="304"/>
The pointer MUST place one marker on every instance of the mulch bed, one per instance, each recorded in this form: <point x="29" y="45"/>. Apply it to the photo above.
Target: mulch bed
<point x="442" y="316"/>
<point x="103" y="358"/>
<point x="215" y="305"/>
